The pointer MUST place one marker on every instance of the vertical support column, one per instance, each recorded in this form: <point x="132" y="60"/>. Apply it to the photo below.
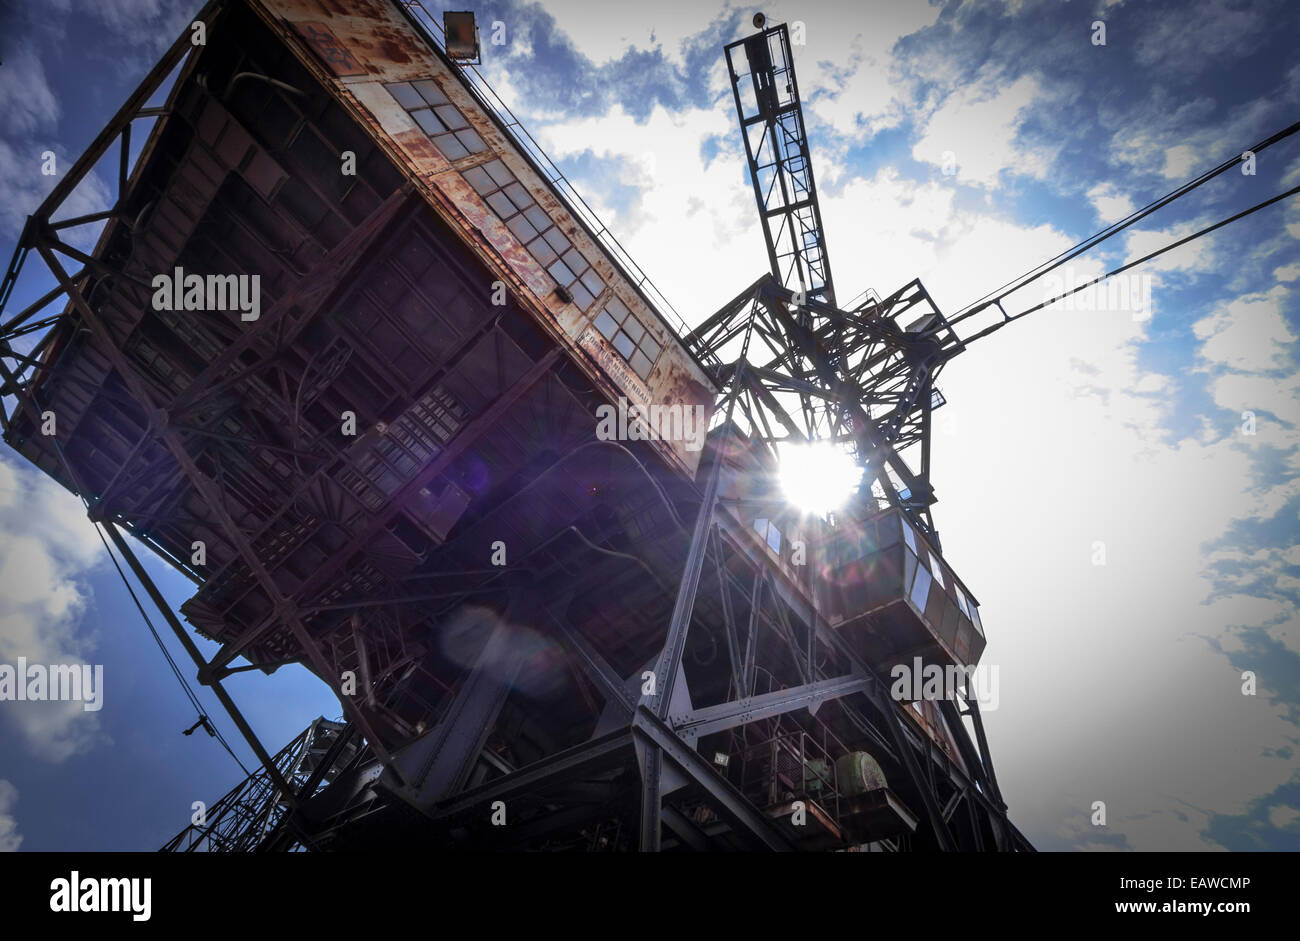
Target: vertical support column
<point x="668" y="667"/>
<point x="650" y="761"/>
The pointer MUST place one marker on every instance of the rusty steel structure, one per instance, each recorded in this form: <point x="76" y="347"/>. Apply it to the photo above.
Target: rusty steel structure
<point x="392" y="470"/>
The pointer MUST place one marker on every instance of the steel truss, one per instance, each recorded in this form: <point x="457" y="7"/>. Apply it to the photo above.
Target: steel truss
<point x="643" y="772"/>
<point x="258" y="810"/>
<point x="864" y="378"/>
<point x="780" y="164"/>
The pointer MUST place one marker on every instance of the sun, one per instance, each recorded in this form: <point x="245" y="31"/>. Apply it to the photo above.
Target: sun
<point x="817" y="477"/>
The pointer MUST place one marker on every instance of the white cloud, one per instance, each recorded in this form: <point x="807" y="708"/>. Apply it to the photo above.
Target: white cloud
<point x="977" y="125"/>
<point x="870" y="91"/>
<point x="605" y="32"/>
<point x="28" y="102"/>
<point x="1283" y="816"/>
<point x="894" y="229"/>
<point x="1147" y="709"/>
<point x="49" y="547"/>
<point x="1180" y="161"/>
<point x="1111" y="204"/>
<point x="1249" y="334"/>
<point x="10" y="838"/>
<point x="1195" y="256"/>
<point x="693" y="221"/>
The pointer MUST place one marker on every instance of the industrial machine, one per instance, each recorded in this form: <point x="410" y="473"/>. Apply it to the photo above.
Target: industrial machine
<point x="342" y="356"/>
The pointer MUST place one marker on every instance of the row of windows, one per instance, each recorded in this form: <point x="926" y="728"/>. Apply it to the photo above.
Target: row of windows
<point x="629" y="336"/>
<point x="438" y="117"/>
<point x="514" y="205"/>
<point x="529" y="223"/>
<point x="410" y="442"/>
<point x="931" y="569"/>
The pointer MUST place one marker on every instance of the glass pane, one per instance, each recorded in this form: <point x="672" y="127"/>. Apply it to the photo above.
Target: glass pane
<point x="538" y="217"/>
<point x="774" y="538"/>
<point x="624" y="345"/>
<point x="975" y="619"/>
<point x="430" y="92"/>
<point x="477" y="177"/>
<point x="581" y="296"/>
<point x="522" y="230"/>
<point x="542" y="252"/>
<point x="406" y="96"/>
<point x="650" y="347"/>
<point x="641" y="364"/>
<point x="451" y="148"/>
<point x="908" y="536"/>
<point x="560" y="272"/>
<point x="497" y="170"/>
<point x="921" y="588"/>
<point x="634" y="329"/>
<point x="593" y="281"/>
<point x="961" y="600"/>
<point x="470" y="140"/>
<point x="936" y="568"/>
<point x="605" y="324"/>
<point x="428" y="121"/>
<point x="451" y="117"/>
<point x="617" y="309"/>
<point x="557" y="240"/>
<point x="573" y="258"/>
<point x="500" y="205"/>
<point x="519" y="196"/>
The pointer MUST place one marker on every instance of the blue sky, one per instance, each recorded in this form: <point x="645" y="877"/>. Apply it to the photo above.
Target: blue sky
<point x="1119" y="682"/>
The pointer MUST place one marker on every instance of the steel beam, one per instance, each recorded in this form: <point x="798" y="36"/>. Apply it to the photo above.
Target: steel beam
<point x="439" y="763"/>
<point x="190" y="648"/>
<point x="599" y="755"/>
<point x="729" y="715"/>
<point x="659" y="738"/>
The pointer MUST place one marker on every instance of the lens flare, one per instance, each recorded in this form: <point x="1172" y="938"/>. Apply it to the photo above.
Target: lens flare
<point x="818" y="477"/>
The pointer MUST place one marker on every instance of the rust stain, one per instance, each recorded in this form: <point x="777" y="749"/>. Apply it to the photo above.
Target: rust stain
<point x="393" y="52"/>
<point x="417" y="144"/>
<point x="374" y="33"/>
<point x="329" y="49"/>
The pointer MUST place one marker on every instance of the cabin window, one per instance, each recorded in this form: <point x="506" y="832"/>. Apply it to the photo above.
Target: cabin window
<point x="921" y="588"/>
<point x="536" y="230"/>
<point x="961" y="600"/>
<point x="771" y="535"/>
<point x="908" y="536"/>
<point x="439" y="118"/>
<point x="937" y="569"/>
<point x="620" y="326"/>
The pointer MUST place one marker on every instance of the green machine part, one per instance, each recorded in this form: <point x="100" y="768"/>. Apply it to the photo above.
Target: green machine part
<point x="857" y="773"/>
<point x="817" y="775"/>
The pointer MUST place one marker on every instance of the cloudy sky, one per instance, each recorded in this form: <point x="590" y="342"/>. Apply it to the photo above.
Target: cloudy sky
<point x="962" y="143"/>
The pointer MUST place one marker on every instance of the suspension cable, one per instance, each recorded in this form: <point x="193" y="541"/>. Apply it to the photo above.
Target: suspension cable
<point x="995" y="297"/>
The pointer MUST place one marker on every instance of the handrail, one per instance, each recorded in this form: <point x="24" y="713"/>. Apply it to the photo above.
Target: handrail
<point x="573" y="200"/>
